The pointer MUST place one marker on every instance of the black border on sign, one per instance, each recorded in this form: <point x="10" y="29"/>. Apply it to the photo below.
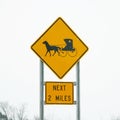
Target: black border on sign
<point x="73" y="33"/>
<point x="59" y="103"/>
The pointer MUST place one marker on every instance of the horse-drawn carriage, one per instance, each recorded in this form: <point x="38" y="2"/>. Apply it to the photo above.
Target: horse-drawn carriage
<point x="62" y="51"/>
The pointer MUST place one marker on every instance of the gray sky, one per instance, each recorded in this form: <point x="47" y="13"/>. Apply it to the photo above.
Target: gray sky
<point x="96" y="22"/>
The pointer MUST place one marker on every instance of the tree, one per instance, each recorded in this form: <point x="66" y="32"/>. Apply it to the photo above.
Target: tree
<point x="4" y="108"/>
<point x="13" y="113"/>
<point x="21" y="113"/>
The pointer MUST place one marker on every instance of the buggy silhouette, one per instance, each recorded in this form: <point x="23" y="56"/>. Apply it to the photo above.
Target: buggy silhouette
<point x="68" y="49"/>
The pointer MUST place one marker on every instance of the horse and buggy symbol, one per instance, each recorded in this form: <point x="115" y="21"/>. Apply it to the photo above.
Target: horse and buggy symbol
<point x="61" y="50"/>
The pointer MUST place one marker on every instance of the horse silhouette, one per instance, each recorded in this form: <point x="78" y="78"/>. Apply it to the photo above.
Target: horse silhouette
<point x="51" y="48"/>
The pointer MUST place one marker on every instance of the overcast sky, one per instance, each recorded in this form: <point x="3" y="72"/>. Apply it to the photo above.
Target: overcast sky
<point x="96" y="22"/>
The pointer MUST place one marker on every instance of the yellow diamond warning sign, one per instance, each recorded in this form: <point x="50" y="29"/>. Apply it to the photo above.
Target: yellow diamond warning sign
<point x="59" y="93"/>
<point x="59" y="47"/>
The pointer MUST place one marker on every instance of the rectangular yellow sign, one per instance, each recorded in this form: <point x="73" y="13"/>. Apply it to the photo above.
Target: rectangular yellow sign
<point x="59" y="93"/>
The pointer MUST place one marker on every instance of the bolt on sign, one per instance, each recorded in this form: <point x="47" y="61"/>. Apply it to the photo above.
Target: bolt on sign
<point x="59" y="93"/>
<point x="59" y="47"/>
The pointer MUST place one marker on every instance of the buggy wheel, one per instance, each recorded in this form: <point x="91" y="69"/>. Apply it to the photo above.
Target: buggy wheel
<point x="72" y="53"/>
<point x="63" y="53"/>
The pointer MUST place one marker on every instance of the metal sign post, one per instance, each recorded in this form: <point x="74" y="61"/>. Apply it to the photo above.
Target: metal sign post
<point x="41" y="90"/>
<point x="78" y="90"/>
